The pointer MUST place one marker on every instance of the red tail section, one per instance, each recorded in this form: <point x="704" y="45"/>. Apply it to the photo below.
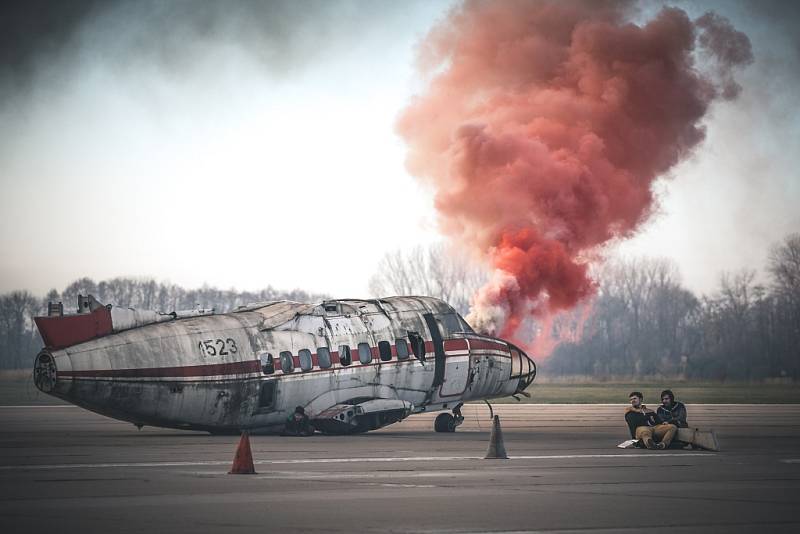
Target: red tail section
<point x="63" y="331"/>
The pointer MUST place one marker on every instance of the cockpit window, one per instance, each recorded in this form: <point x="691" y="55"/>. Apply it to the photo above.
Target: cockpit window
<point x="453" y="322"/>
<point x="465" y="327"/>
<point x="450" y="322"/>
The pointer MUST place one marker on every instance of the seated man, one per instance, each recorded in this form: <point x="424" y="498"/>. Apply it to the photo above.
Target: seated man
<point x="644" y="426"/>
<point x="298" y="424"/>
<point x="670" y="411"/>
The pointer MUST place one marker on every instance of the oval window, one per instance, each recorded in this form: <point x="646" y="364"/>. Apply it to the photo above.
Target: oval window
<point x="364" y="353"/>
<point x="306" y="363"/>
<point x="267" y="363"/>
<point x="402" y="349"/>
<point x="287" y="364"/>
<point x="344" y="355"/>
<point x="385" y="350"/>
<point x="324" y="357"/>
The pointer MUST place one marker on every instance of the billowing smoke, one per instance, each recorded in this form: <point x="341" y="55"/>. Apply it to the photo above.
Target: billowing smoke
<point x="543" y="127"/>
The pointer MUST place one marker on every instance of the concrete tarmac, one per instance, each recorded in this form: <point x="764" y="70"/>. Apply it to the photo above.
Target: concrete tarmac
<point x="63" y="469"/>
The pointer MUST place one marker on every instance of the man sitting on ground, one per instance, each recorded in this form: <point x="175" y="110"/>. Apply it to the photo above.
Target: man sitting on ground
<point x="670" y="411"/>
<point x="644" y="426"/>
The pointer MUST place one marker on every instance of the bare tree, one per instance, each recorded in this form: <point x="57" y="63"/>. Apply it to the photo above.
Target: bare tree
<point x="784" y="265"/>
<point x="16" y="333"/>
<point x="435" y="271"/>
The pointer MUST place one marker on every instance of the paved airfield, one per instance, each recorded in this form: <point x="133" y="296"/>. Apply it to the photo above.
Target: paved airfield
<point x="63" y="469"/>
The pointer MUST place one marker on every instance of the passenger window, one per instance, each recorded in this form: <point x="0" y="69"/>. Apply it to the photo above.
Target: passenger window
<point x="364" y="353"/>
<point x="417" y="345"/>
<point x="306" y="363"/>
<point x="287" y="364"/>
<point x="267" y="363"/>
<point x="385" y="350"/>
<point x="324" y="357"/>
<point x="344" y="355"/>
<point x="267" y="394"/>
<point x="402" y="349"/>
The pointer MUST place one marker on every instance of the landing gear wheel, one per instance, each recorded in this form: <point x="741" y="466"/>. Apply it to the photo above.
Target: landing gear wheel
<point x="444" y="423"/>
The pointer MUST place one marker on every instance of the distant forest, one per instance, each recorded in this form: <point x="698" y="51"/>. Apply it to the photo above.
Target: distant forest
<point x="642" y="323"/>
<point x="20" y="341"/>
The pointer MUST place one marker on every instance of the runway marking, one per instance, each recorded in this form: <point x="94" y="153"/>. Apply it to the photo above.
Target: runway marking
<point x="41" y="406"/>
<point x="45" y="467"/>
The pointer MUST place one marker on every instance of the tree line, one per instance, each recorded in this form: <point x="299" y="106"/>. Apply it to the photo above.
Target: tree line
<point x="643" y="322"/>
<point x="20" y="341"/>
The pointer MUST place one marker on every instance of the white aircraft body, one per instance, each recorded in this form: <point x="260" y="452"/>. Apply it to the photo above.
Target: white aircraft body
<point x="353" y="365"/>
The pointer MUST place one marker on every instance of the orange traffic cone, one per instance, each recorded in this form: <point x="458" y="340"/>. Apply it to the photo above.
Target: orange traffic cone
<point x="243" y="461"/>
<point x="497" y="448"/>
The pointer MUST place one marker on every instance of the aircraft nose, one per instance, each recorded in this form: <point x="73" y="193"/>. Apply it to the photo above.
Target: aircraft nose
<point x="523" y="369"/>
<point x="528" y="372"/>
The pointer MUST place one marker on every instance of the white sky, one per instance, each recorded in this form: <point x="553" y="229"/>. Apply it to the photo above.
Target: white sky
<point x="230" y="174"/>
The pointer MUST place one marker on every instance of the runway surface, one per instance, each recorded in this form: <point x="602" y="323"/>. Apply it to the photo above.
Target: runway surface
<point x="63" y="469"/>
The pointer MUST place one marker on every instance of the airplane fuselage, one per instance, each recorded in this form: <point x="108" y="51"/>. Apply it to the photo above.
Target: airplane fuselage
<point x="353" y="365"/>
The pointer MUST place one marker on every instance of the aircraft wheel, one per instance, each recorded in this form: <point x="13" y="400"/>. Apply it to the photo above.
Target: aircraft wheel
<point x="444" y="423"/>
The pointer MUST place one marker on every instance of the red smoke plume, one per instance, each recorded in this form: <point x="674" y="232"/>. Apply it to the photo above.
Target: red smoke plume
<point x="543" y="128"/>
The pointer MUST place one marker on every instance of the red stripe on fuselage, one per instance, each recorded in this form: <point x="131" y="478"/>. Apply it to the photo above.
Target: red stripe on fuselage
<point x="254" y="366"/>
<point x="455" y="344"/>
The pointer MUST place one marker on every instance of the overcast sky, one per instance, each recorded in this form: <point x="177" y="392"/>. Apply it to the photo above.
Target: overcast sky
<point x="242" y="145"/>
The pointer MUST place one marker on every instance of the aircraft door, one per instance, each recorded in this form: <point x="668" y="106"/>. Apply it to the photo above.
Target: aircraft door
<point x="456" y="375"/>
<point x="438" y="349"/>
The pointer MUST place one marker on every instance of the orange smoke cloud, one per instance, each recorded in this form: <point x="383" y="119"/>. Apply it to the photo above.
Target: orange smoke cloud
<point x="543" y="128"/>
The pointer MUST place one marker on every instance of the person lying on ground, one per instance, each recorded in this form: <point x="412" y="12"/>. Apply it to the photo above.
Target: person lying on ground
<point x="298" y="424"/>
<point x="644" y="425"/>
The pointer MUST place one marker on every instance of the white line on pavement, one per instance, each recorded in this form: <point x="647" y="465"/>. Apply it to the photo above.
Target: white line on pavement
<point x="46" y="467"/>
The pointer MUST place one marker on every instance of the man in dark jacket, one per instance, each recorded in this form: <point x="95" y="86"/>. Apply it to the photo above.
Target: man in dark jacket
<point x="298" y="424"/>
<point x="644" y="425"/>
<point x="670" y="411"/>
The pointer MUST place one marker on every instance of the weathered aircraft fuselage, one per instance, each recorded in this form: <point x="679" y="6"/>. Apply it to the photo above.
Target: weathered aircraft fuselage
<point x="354" y="365"/>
